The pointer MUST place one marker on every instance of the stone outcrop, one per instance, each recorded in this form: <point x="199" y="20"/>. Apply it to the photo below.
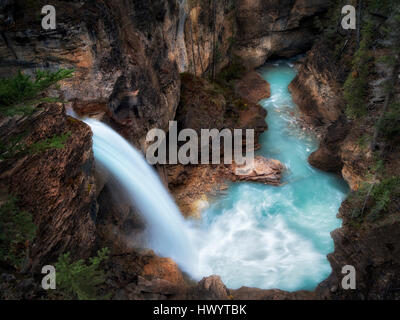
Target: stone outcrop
<point x="55" y="185"/>
<point x="373" y="249"/>
<point x="210" y="288"/>
<point x="253" y="87"/>
<point x="317" y="87"/>
<point x="262" y="170"/>
<point x="246" y="293"/>
<point x="141" y="275"/>
<point x="275" y="28"/>
<point x="205" y="105"/>
<point x="327" y="157"/>
<point x="124" y="54"/>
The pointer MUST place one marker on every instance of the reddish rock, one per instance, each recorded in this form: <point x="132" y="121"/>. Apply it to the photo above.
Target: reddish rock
<point x="246" y="293"/>
<point x="262" y="170"/>
<point x="316" y="88"/>
<point x="56" y="186"/>
<point x="328" y="157"/>
<point x="125" y="62"/>
<point x="163" y="268"/>
<point x="211" y="288"/>
<point x="253" y="87"/>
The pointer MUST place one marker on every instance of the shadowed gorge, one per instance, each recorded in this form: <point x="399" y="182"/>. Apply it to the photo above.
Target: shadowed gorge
<point x="315" y="99"/>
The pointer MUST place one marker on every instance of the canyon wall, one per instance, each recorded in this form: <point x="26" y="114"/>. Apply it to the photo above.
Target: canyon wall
<point x="210" y="32"/>
<point x="369" y="238"/>
<point x="127" y="55"/>
<point x="275" y="28"/>
<point x="124" y="54"/>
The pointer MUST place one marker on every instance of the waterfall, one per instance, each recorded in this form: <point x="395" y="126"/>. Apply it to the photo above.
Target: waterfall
<point x="169" y="234"/>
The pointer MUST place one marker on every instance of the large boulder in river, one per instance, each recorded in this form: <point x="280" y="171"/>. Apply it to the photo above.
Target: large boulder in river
<point x="261" y="170"/>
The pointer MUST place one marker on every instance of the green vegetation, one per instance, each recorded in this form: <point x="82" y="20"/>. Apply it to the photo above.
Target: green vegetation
<point x="380" y="6"/>
<point x="12" y="147"/>
<point x="389" y="126"/>
<point x="15" y="147"/>
<point x="55" y="142"/>
<point x="16" y="231"/>
<point x="19" y="94"/>
<point x="384" y="195"/>
<point x="234" y="71"/>
<point x="356" y="86"/>
<point x="78" y="280"/>
<point x="372" y="201"/>
<point x="364" y="141"/>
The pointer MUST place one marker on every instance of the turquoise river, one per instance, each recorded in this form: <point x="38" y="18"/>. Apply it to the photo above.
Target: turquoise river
<point x="275" y="237"/>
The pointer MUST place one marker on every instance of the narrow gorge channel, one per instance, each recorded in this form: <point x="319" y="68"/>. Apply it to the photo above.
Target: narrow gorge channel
<point x="255" y="235"/>
<point x="275" y="237"/>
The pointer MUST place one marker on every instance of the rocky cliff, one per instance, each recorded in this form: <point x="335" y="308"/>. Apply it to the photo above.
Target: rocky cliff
<point x="210" y="33"/>
<point x="275" y="28"/>
<point x="55" y="185"/>
<point x="356" y="147"/>
<point x="124" y="54"/>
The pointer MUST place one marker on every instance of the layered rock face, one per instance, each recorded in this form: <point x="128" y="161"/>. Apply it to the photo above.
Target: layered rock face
<point x="56" y="185"/>
<point x="369" y="240"/>
<point x="124" y="54"/>
<point x="275" y="28"/>
<point x="316" y="88"/>
<point x="209" y="32"/>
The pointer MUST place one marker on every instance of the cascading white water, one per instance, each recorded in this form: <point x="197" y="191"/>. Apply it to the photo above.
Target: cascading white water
<point x="169" y="234"/>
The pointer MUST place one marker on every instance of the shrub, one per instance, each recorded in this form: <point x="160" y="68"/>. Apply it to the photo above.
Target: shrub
<point x="389" y="126"/>
<point x="15" y="147"/>
<point x="78" y="280"/>
<point x="12" y="147"/>
<point x="356" y="86"/>
<point x="19" y="94"/>
<point x="383" y="195"/>
<point x="16" y="231"/>
<point x="234" y="71"/>
<point x="55" y="142"/>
